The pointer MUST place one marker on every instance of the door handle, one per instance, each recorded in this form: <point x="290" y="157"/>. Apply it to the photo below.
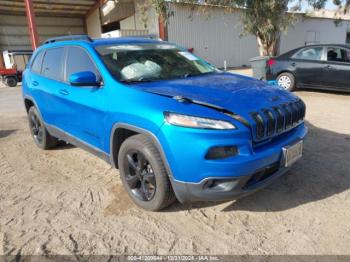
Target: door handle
<point x="64" y="92"/>
<point x="294" y="64"/>
<point x="328" y="67"/>
<point x="35" y="83"/>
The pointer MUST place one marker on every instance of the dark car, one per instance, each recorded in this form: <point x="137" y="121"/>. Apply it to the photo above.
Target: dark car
<point x="316" y="66"/>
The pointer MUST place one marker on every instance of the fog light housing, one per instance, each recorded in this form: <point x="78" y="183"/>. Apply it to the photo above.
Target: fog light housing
<point x="221" y="152"/>
<point x="220" y="185"/>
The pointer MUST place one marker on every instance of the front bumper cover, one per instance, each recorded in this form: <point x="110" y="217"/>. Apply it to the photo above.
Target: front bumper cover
<point x="233" y="188"/>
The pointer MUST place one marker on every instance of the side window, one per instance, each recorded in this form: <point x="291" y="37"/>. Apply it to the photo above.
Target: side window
<point x="52" y="65"/>
<point x="338" y="55"/>
<point x="37" y="63"/>
<point x="79" y="61"/>
<point x="312" y="53"/>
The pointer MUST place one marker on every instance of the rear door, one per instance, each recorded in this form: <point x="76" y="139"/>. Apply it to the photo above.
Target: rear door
<point x="46" y="81"/>
<point x="308" y="66"/>
<point x="336" y="71"/>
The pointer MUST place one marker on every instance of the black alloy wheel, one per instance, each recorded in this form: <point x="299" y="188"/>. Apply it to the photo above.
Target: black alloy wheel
<point x="36" y="128"/>
<point x="139" y="175"/>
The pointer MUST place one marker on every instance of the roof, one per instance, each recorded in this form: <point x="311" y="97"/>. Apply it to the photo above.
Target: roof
<point x="64" y="8"/>
<point x="67" y="40"/>
<point x="322" y="13"/>
<point x="125" y="40"/>
<point x="330" y="14"/>
<point x="335" y="45"/>
<point x="319" y="45"/>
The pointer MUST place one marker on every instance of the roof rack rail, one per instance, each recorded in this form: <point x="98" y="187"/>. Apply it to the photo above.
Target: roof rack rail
<point x="67" y="38"/>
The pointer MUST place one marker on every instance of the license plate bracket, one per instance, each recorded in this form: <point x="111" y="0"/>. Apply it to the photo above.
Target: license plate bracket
<point x="292" y="153"/>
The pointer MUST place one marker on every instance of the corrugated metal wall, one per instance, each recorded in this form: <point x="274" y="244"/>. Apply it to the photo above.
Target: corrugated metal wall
<point x="314" y="30"/>
<point x="214" y="36"/>
<point x="14" y="30"/>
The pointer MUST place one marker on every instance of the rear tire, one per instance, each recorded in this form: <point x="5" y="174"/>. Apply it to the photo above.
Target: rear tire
<point x="40" y="135"/>
<point x="286" y="81"/>
<point x="11" y="81"/>
<point x="144" y="175"/>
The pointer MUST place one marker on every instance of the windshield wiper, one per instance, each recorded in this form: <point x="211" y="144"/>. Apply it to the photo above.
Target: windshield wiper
<point x="138" y="79"/>
<point x="199" y="74"/>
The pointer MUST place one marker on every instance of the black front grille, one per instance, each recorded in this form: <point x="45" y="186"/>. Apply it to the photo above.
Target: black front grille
<point x="269" y="122"/>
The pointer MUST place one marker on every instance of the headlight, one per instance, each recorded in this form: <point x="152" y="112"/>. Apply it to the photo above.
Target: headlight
<point x="197" y="122"/>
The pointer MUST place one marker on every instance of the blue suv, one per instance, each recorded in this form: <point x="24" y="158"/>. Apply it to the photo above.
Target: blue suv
<point x="174" y="126"/>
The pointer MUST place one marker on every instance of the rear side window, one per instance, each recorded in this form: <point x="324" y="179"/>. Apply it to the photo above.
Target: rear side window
<point x="78" y="60"/>
<point x="312" y="53"/>
<point x="38" y="61"/>
<point x="52" y="64"/>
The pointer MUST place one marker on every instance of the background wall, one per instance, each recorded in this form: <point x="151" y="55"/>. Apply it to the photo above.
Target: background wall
<point x="93" y="24"/>
<point x="14" y="30"/>
<point x="314" y="30"/>
<point x="214" y="37"/>
<point x="135" y="21"/>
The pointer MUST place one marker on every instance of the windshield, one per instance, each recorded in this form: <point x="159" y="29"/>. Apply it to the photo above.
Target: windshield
<point x="151" y="62"/>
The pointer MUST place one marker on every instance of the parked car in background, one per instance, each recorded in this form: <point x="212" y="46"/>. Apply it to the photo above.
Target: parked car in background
<point x="316" y="66"/>
<point x="170" y="122"/>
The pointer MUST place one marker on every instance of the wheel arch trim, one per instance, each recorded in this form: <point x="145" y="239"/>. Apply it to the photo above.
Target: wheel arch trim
<point x="142" y="131"/>
<point x="26" y="97"/>
<point x="286" y="71"/>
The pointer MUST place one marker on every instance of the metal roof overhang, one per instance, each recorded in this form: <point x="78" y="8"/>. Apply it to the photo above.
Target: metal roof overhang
<point x="58" y="8"/>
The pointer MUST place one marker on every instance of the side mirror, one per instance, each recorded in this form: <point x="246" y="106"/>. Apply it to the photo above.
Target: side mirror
<point x="85" y="78"/>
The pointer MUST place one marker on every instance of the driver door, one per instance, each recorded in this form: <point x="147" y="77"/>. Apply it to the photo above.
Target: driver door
<point x="85" y="105"/>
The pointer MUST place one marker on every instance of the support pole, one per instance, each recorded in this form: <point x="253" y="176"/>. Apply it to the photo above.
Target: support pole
<point x="2" y="64"/>
<point x="33" y="32"/>
<point x="163" y="30"/>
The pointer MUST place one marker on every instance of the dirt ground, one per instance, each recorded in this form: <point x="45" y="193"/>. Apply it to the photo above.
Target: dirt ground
<point x="66" y="201"/>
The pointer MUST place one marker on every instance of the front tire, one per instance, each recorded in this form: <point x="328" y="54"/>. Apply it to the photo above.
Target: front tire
<point x="40" y="135"/>
<point x="144" y="175"/>
<point x="286" y="81"/>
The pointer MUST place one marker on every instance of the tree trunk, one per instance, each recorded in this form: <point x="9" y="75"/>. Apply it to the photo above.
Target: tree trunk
<point x="261" y="46"/>
<point x="268" y="48"/>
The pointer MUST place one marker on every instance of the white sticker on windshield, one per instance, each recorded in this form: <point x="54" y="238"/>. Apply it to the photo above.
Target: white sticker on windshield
<point x="188" y="55"/>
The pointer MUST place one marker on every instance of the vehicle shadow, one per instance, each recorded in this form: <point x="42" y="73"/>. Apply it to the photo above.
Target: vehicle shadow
<point x="324" y="171"/>
<point x="5" y="133"/>
<point x="62" y="145"/>
<point x="323" y="91"/>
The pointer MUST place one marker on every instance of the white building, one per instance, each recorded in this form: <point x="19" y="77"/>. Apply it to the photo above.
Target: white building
<point x="216" y="35"/>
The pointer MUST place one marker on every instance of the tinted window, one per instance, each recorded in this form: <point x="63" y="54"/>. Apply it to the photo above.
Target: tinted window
<point x="338" y="55"/>
<point x="312" y="53"/>
<point x="38" y="61"/>
<point x="79" y="61"/>
<point x="52" y="65"/>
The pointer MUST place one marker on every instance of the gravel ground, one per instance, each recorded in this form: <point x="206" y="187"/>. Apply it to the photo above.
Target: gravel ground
<point x="66" y="201"/>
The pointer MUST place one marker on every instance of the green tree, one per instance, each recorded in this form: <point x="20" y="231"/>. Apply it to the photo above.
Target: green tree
<point x="266" y="19"/>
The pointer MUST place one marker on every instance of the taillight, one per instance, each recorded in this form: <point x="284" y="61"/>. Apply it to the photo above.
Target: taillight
<point x="271" y="62"/>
